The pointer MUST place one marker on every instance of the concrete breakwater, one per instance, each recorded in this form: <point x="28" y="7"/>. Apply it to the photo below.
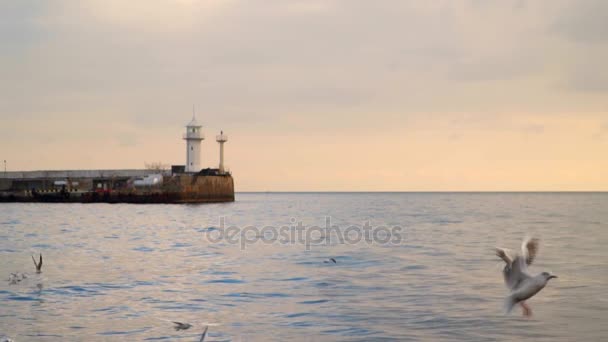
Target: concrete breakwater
<point x="117" y="186"/>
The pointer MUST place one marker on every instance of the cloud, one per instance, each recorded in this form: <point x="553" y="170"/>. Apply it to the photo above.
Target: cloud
<point x="602" y="131"/>
<point x="588" y="73"/>
<point x="533" y="129"/>
<point x="495" y="68"/>
<point x="315" y="56"/>
<point x="17" y="26"/>
<point x="336" y="70"/>
<point x="583" y="21"/>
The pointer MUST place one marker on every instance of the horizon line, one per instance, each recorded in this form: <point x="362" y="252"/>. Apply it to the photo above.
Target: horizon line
<point x="421" y="191"/>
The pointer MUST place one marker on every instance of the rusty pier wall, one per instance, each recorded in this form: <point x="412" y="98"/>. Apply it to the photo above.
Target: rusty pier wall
<point x="196" y="188"/>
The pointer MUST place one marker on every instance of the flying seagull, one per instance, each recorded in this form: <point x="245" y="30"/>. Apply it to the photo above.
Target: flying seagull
<point x="182" y="326"/>
<point x="204" y="334"/>
<point x="330" y="259"/>
<point x="38" y="264"/>
<point x="522" y="285"/>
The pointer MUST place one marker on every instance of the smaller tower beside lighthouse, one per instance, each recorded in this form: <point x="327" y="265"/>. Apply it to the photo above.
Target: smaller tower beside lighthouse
<point x="193" y="138"/>
<point x="221" y="139"/>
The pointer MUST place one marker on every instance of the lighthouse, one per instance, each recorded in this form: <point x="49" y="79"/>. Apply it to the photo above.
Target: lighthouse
<point x="193" y="138"/>
<point x="221" y="139"/>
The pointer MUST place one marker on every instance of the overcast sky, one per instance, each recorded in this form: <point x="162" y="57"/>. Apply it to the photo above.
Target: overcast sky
<point x="314" y="95"/>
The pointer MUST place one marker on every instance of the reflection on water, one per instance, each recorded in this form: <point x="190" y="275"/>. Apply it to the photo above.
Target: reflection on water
<point x="124" y="272"/>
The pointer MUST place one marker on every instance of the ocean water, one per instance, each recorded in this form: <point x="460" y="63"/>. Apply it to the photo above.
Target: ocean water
<point x="124" y="272"/>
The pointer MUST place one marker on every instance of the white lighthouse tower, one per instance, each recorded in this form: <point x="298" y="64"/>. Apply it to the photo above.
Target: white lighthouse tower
<point x="193" y="138"/>
<point x="221" y="139"/>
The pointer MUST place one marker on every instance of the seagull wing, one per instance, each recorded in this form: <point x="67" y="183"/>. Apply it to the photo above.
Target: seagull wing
<point x="517" y="273"/>
<point x="38" y="264"/>
<point x="529" y="249"/>
<point x="504" y="255"/>
<point x="204" y="334"/>
<point x="512" y="271"/>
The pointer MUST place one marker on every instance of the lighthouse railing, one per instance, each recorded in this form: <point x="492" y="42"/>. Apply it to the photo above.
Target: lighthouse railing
<point x="194" y="135"/>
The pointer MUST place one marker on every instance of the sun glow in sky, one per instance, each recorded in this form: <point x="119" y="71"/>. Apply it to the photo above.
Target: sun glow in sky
<point x="348" y="95"/>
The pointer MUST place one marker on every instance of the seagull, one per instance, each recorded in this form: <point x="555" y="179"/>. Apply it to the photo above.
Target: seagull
<point x="204" y="334"/>
<point x="16" y="278"/>
<point x="330" y="259"/>
<point x="182" y="326"/>
<point x="38" y="264"/>
<point x="522" y="285"/>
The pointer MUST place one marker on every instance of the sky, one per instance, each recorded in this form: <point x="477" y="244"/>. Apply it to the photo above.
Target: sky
<point x="351" y="95"/>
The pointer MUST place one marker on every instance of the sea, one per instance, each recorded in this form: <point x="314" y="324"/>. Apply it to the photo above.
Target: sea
<point x="304" y="267"/>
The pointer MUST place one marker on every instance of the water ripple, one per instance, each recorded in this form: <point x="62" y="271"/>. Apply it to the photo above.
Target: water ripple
<point x="124" y="272"/>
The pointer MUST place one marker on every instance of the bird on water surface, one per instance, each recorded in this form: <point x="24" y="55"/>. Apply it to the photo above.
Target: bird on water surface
<point x="186" y="326"/>
<point x="182" y="326"/>
<point x="522" y="285"/>
<point x="16" y="278"/>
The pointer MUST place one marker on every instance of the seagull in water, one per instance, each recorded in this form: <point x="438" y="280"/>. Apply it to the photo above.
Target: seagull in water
<point x="38" y="264"/>
<point x="522" y="285"/>
<point x="182" y="326"/>
<point x="15" y="278"/>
